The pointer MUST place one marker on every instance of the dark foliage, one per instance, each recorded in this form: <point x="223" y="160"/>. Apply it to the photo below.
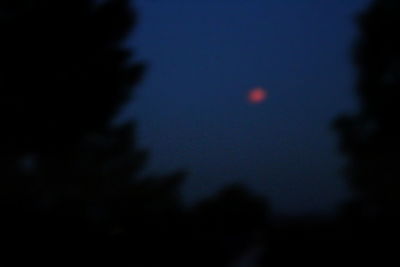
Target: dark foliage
<point x="366" y="229"/>
<point x="70" y="181"/>
<point x="370" y="138"/>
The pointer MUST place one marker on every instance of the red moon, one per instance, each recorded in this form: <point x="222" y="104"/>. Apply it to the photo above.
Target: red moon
<point x="257" y="95"/>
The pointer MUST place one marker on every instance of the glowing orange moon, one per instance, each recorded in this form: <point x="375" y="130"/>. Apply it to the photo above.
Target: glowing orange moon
<point x="257" y="95"/>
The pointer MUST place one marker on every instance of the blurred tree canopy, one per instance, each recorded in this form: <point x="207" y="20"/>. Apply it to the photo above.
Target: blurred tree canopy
<point x="366" y="228"/>
<point x="70" y="181"/>
<point x="370" y="139"/>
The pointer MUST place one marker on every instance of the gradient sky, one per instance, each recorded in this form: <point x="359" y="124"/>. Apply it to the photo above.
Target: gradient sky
<point x="192" y="113"/>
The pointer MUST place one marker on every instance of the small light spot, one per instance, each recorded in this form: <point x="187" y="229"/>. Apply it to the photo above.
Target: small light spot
<point x="257" y="95"/>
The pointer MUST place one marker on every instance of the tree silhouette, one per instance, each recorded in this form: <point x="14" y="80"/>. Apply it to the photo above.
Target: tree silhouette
<point x="72" y="179"/>
<point x="370" y="138"/>
<point x="366" y="229"/>
<point x="63" y="77"/>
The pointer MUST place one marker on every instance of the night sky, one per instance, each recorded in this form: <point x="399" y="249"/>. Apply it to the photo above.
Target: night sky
<point x="203" y="58"/>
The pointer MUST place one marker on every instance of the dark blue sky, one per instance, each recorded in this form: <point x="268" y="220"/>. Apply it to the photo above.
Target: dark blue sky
<point x="203" y="58"/>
